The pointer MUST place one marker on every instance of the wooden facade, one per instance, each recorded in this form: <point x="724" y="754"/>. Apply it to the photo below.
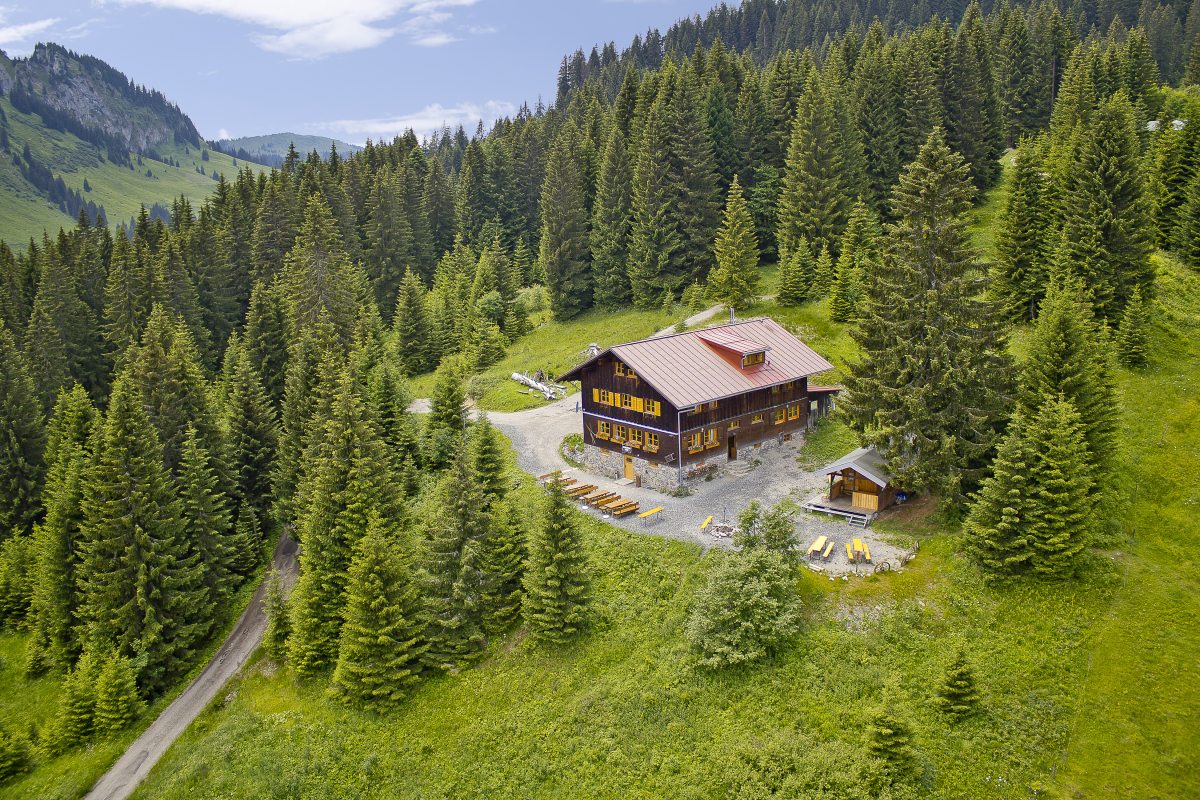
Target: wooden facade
<point x="624" y="414"/>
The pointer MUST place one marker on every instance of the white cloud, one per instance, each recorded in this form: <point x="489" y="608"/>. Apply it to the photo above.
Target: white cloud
<point x="21" y="32"/>
<point x="424" y="122"/>
<point x="223" y="134"/>
<point x="316" y="28"/>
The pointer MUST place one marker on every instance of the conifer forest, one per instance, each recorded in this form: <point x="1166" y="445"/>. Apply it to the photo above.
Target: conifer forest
<point x="986" y="217"/>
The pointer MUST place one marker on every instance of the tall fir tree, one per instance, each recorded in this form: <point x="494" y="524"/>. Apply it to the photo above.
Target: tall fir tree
<point x="207" y="524"/>
<point x="117" y="701"/>
<point x="734" y="281"/>
<point x="1023" y="239"/>
<point x="611" y="221"/>
<point x="859" y="254"/>
<point x="564" y="255"/>
<point x="379" y="654"/>
<point x="279" y="622"/>
<point x="930" y="389"/>
<point x="22" y="441"/>
<point x="251" y="431"/>
<point x="557" y="590"/>
<point x="411" y="326"/>
<point x="796" y="274"/>
<point x="1132" y="338"/>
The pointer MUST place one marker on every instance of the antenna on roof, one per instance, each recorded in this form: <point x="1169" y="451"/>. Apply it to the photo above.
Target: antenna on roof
<point x="731" y="313"/>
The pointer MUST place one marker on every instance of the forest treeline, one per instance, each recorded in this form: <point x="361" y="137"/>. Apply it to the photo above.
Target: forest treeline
<point x="177" y="393"/>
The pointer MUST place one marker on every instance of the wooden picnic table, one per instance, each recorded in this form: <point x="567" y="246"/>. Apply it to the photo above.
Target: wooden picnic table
<point x="818" y="545"/>
<point x="621" y="511"/>
<point x="615" y="500"/>
<point x="597" y="496"/>
<point x="581" y="489"/>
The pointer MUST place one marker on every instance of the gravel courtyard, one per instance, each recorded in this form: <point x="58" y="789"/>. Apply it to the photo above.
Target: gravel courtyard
<point x="536" y="435"/>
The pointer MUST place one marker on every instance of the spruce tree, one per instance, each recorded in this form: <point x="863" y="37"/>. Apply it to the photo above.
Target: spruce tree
<point x="734" y="281"/>
<point x="278" y="618"/>
<point x="448" y="413"/>
<point x="1022" y="241"/>
<point x="1034" y="514"/>
<point x="859" y="255"/>
<point x="411" y="327"/>
<point x="796" y="274"/>
<point x="815" y="201"/>
<point x="389" y="236"/>
<point x="250" y="430"/>
<point x="1132" y="336"/>
<point x="206" y="521"/>
<point x="958" y="695"/>
<point x="890" y="739"/>
<point x="930" y="389"/>
<point x="1107" y="229"/>
<point x="22" y="441"/>
<point x="117" y="700"/>
<point x="487" y="454"/>
<point x="14" y="755"/>
<point x="452" y="574"/>
<point x="563" y="256"/>
<point x="611" y="222"/>
<point x="379" y="654"/>
<point x="318" y="276"/>
<point x="142" y="590"/>
<point x="1070" y="355"/>
<point x="75" y="719"/>
<point x="267" y="339"/>
<point x="556" y="581"/>
<point x="502" y="562"/>
<point x="824" y="274"/>
<point x="274" y="229"/>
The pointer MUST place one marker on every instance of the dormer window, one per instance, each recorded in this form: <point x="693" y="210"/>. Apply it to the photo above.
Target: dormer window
<point x="753" y="359"/>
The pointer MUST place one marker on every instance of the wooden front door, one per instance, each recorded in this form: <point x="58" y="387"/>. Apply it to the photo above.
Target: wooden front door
<point x="629" y="467"/>
<point x="732" y="447"/>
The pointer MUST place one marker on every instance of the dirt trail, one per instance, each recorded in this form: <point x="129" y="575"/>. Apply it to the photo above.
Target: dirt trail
<point x="132" y="767"/>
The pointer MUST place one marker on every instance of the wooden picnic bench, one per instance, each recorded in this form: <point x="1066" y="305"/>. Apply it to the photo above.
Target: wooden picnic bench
<point x="597" y="496"/>
<point x="651" y="514"/>
<point x="581" y="489"/>
<point x="621" y="511"/>
<point x="615" y="500"/>
<point x="549" y="475"/>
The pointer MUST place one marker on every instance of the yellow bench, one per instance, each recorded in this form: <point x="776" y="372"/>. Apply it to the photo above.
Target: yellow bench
<point x="705" y="524"/>
<point x="652" y="512"/>
<point x="849" y="552"/>
<point x="866" y="552"/>
<point x="615" y="500"/>
<point x="828" y="551"/>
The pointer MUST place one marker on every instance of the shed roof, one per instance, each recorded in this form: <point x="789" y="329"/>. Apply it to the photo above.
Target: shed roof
<point x="704" y="365"/>
<point x="867" y="462"/>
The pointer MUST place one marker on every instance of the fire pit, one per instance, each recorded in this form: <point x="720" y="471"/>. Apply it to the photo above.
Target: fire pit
<point x="723" y="530"/>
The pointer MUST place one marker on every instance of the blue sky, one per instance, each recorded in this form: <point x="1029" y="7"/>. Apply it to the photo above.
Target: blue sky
<point x="350" y="69"/>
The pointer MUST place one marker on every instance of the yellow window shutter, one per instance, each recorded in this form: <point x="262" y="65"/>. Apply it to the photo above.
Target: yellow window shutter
<point x="639" y="404"/>
<point x="595" y="395"/>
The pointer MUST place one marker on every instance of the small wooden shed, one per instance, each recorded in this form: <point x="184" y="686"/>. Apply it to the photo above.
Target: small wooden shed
<point x="861" y="480"/>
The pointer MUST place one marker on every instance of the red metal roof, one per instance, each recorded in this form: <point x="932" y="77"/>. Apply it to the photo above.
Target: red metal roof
<point x="686" y="369"/>
<point x="730" y="340"/>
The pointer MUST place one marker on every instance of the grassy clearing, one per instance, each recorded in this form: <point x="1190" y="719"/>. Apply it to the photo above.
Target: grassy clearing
<point x="829" y="440"/>
<point x="553" y="347"/>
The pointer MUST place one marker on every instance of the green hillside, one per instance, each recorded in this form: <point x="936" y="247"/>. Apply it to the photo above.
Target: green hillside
<point x="25" y="211"/>
<point x="273" y="146"/>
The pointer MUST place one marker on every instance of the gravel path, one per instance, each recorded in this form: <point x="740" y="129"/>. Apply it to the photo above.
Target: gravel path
<point x="132" y="767"/>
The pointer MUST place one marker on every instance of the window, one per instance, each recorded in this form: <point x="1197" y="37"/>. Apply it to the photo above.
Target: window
<point x="602" y="396"/>
<point x="629" y="373"/>
<point x="794" y="411"/>
<point x="693" y="442"/>
<point x="775" y="389"/>
<point x="750" y="359"/>
<point x="628" y="401"/>
<point x="734" y="424"/>
<point x="618" y="433"/>
<point x="635" y="437"/>
<point x="653" y="407"/>
<point x="603" y="430"/>
<point x="618" y="368"/>
<point x="780" y="416"/>
<point x="710" y="438"/>
<point x="652" y="442"/>
<point x="757" y="418"/>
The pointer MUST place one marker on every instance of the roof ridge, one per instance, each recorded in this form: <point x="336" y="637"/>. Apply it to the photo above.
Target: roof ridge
<point x="694" y="331"/>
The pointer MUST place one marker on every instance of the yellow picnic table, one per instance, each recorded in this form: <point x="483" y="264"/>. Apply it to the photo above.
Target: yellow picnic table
<point x="707" y="520"/>
<point x="866" y="552"/>
<point x="818" y="545"/>
<point x="650" y="513"/>
<point x="849" y="552"/>
<point x="828" y="551"/>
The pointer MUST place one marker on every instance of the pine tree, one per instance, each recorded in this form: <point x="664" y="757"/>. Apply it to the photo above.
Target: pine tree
<point x="611" y="221"/>
<point x="75" y="721"/>
<point x="250" y="430"/>
<point x="734" y="282"/>
<point x="274" y="230"/>
<point x="390" y="246"/>
<point x="279" y="625"/>
<point x="487" y="454"/>
<point x="890" y="739"/>
<point x="318" y="275"/>
<point x="796" y="274"/>
<point x="1107" y="229"/>
<point x="556" y="580"/>
<point x="929" y="392"/>
<point x="206" y="521"/>
<point x="958" y="696"/>
<point x="1132" y="336"/>
<point x="1035" y="514"/>
<point x="346" y="481"/>
<point x="22" y="441"/>
<point x="1070" y="356"/>
<point x="117" y="700"/>
<point x="381" y="645"/>
<point x="267" y="339"/>
<point x="448" y="413"/>
<point x="1022" y="241"/>
<point x="453" y="575"/>
<point x="141" y="588"/>
<point x="815" y="201"/>
<point x="824" y="274"/>
<point x="14" y="755"/>
<point x="859" y="255"/>
<point x="411" y="328"/>
<point x="502" y="561"/>
<point x="563" y="256"/>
